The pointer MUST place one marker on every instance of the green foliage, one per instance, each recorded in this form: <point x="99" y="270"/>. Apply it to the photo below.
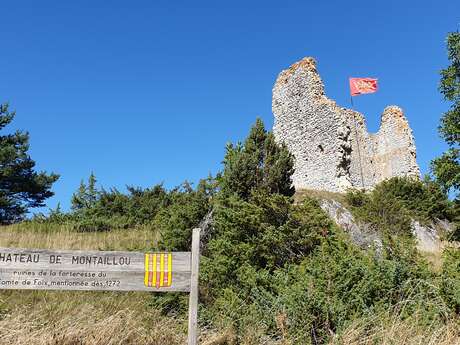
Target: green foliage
<point x="174" y="213"/>
<point x="265" y="233"/>
<point x="259" y="164"/>
<point x="21" y="187"/>
<point x="270" y="260"/>
<point x="86" y="196"/>
<point x="450" y="76"/>
<point x="283" y="270"/>
<point x="187" y="207"/>
<point x="386" y="214"/>
<point x="447" y="167"/>
<point x="254" y="222"/>
<point x="55" y="216"/>
<point x="393" y="202"/>
<point x="450" y="278"/>
<point x="257" y="168"/>
<point x="96" y="209"/>
<point x="423" y="199"/>
<point x="137" y="207"/>
<point x="306" y="297"/>
<point x="455" y="235"/>
<point x="252" y="240"/>
<point x="339" y="284"/>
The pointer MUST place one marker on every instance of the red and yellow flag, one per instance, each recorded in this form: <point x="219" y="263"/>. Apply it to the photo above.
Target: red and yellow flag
<point x="158" y="270"/>
<point x="359" y="86"/>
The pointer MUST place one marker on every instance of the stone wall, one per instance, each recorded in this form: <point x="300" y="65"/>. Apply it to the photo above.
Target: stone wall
<point x="331" y="145"/>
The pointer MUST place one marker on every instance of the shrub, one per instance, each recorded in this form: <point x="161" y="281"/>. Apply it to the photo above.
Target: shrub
<point x="258" y="164"/>
<point x="317" y="295"/>
<point x="424" y="199"/>
<point x="392" y="204"/>
<point x="101" y="210"/>
<point x="282" y="270"/>
<point x="265" y="233"/>
<point x="384" y="212"/>
<point x="186" y="209"/>
<point x="450" y="278"/>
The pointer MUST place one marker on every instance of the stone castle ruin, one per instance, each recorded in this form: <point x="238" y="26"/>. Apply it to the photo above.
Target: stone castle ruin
<point x="332" y="148"/>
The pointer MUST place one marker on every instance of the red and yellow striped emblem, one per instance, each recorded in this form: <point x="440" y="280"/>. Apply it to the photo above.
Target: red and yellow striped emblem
<point x="158" y="270"/>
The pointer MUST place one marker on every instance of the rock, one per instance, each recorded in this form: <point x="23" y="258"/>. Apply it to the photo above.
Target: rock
<point x="360" y="234"/>
<point x="332" y="148"/>
<point x="427" y="238"/>
<point x="364" y="236"/>
<point x="207" y="228"/>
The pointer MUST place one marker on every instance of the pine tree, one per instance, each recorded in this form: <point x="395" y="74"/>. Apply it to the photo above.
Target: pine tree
<point x="258" y="164"/>
<point x="86" y="196"/>
<point x="21" y="187"/>
<point x="446" y="168"/>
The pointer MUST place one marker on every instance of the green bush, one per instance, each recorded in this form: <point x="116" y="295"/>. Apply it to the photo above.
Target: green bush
<point x="307" y="298"/>
<point x="186" y="209"/>
<point x="339" y="284"/>
<point x="455" y="235"/>
<point x="424" y="199"/>
<point x="391" y="205"/>
<point x="258" y="164"/>
<point x="272" y="268"/>
<point x="101" y="210"/>
<point x="384" y="212"/>
<point x="450" y="278"/>
<point x="96" y="209"/>
<point x="265" y="233"/>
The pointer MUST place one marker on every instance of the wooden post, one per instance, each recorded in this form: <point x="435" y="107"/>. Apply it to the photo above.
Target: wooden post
<point x="193" y="298"/>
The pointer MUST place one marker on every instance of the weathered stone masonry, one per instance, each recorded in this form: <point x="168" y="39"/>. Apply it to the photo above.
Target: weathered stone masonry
<point x="332" y="147"/>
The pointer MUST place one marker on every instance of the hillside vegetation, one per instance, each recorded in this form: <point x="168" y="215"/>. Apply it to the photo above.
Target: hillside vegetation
<point x="274" y="270"/>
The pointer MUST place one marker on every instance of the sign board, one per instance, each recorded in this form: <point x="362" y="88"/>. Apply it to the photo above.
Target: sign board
<point x="92" y="270"/>
<point x="39" y="269"/>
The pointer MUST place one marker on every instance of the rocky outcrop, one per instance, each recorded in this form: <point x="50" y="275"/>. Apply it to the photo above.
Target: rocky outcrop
<point x="427" y="237"/>
<point x="332" y="148"/>
<point x="360" y="234"/>
<point x="363" y="235"/>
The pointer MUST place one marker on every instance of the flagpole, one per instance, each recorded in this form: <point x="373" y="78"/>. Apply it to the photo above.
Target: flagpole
<point x="357" y="141"/>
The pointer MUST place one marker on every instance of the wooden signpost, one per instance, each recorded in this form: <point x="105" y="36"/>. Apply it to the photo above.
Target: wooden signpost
<point x="38" y="269"/>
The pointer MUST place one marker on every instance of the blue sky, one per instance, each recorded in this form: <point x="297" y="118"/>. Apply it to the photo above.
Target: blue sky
<point x="143" y="92"/>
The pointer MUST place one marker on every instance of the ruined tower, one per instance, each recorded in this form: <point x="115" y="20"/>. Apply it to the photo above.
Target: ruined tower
<point x="332" y="148"/>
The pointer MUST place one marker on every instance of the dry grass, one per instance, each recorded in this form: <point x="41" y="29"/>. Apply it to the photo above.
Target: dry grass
<point x="301" y="194"/>
<point x="46" y="236"/>
<point x="85" y="318"/>
<point x="397" y="332"/>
